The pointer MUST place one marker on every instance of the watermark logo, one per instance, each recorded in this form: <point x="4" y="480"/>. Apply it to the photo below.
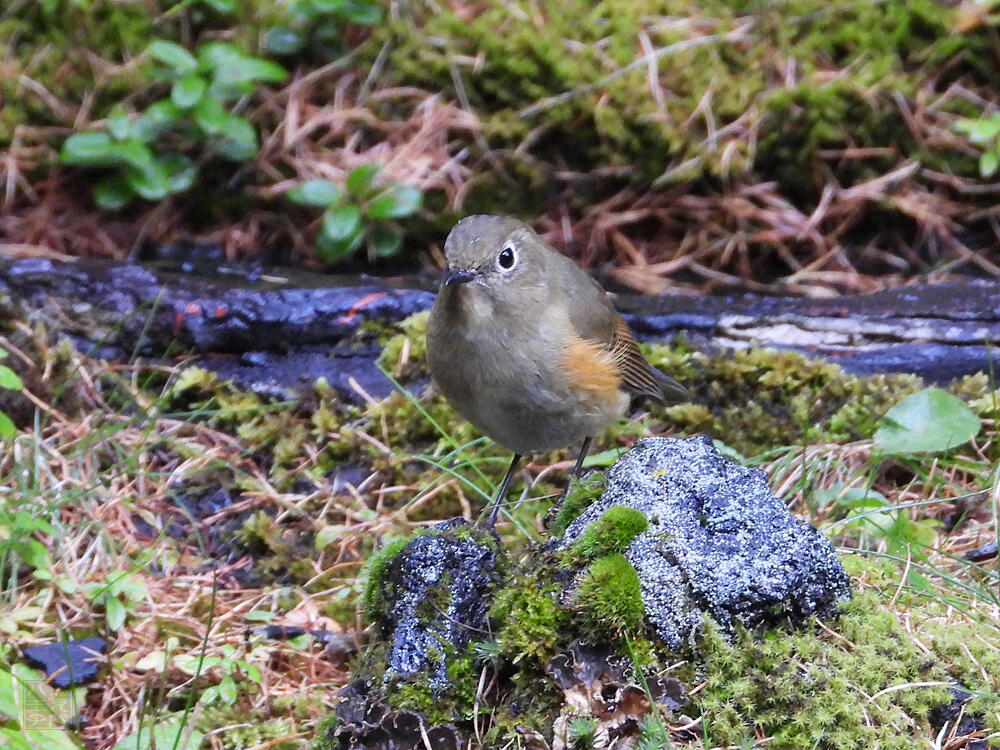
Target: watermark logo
<point x="41" y="707"/>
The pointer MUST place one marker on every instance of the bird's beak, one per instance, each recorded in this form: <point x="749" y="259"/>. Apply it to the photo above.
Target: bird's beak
<point x="458" y="276"/>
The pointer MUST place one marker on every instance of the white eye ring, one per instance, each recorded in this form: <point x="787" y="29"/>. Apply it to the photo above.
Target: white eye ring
<point x="507" y="257"/>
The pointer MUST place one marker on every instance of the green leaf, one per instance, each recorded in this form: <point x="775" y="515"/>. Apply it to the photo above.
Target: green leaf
<point x="221" y="6"/>
<point x="361" y="179"/>
<point x="181" y="171"/>
<point x="281" y="40"/>
<point x="118" y="123"/>
<point x="326" y="536"/>
<point x="333" y="251"/>
<point x="988" y="163"/>
<point x="928" y="421"/>
<point x="240" y="140"/>
<point x="158" y="118"/>
<point x="361" y="12"/>
<point x="385" y="241"/>
<point x="114" y="614"/>
<point x="211" y="116"/>
<point x="228" y="691"/>
<point x="319" y="193"/>
<point x="113" y="193"/>
<point x="214" y="54"/>
<point x="188" y="90"/>
<point x="91" y="148"/>
<point x="980" y="131"/>
<point x="9" y="379"/>
<point x="7" y="428"/>
<point x="340" y="222"/>
<point x="325" y="7"/>
<point x="134" y="153"/>
<point x="173" y="56"/>
<point x="395" y="202"/>
<point x="151" y="181"/>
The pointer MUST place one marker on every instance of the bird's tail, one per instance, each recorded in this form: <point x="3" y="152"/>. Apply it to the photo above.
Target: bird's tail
<point x="673" y="392"/>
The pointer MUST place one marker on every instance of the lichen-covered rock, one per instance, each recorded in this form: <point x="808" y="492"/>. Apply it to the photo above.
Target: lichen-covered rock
<point x="436" y="593"/>
<point x="718" y="542"/>
<point x="429" y="599"/>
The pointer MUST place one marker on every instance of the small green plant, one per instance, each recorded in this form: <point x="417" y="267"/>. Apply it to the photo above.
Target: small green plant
<point x="146" y="154"/>
<point x="19" y="547"/>
<point x="318" y="26"/>
<point x="234" y="670"/>
<point x="360" y="212"/>
<point x="118" y="596"/>
<point x="984" y="132"/>
<point x="582" y="731"/>
<point x="9" y="381"/>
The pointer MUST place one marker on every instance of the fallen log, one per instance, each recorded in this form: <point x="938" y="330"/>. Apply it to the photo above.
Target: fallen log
<point x="277" y="330"/>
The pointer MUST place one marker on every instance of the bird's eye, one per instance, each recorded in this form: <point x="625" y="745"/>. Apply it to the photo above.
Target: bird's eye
<point x="506" y="258"/>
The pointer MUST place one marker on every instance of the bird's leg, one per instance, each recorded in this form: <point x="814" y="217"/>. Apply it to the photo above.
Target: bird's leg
<point x="578" y="469"/>
<point x="503" y="490"/>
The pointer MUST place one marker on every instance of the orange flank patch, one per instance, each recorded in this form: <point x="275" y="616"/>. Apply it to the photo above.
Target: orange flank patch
<point x="590" y="367"/>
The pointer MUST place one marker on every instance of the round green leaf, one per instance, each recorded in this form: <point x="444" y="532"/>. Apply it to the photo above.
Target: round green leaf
<point x="340" y="222"/>
<point x="9" y="379"/>
<point x="181" y="171"/>
<point x="7" y="428"/>
<point x="222" y="6"/>
<point x="326" y="6"/>
<point x="280" y="40"/>
<point x="239" y="142"/>
<point x="88" y="149"/>
<point x="929" y="421"/>
<point x="151" y="181"/>
<point x="211" y="116"/>
<point x="188" y="90"/>
<point x="135" y="153"/>
<point x="172" y="55"/>
<point x="118" y="123"/>
<point x="988" y="163"/>
<point x="113" y="193"/>
<point x="319" y="193"/>
<point x="395" y="203"/>
<point x="114" y="613"/>
<point x="361" y="179"/>
<point x="385" y="241"/>
<point x="214" y="54"/>
<point x="333" y="251"/>
<point x="361" y="12"/>
<point x="158" y="118"/>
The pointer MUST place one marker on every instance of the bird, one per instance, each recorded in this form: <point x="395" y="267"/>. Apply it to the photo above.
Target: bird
<point x="528" y="347"/>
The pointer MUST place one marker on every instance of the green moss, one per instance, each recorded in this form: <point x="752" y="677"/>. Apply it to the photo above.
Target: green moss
<point x="758" y="399"/>
<point x="612" y="532"/>
<point x="568" y="62"/>
<point x="530" y="619"/>
<point x="374" y="576"/>
<point x="404" y="346"/>
<point x="813" y="687"/>
<point x="609" y="595"/>
<point x="580" y="496"/>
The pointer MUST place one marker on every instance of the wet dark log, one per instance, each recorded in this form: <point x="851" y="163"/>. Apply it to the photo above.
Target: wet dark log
<point x="281" y="329"/>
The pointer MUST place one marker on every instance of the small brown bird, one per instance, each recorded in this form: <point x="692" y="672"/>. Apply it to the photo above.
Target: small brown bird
<point x="528" y="347"/>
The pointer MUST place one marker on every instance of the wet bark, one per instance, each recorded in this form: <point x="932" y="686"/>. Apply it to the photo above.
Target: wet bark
<point x="279" y="330"/>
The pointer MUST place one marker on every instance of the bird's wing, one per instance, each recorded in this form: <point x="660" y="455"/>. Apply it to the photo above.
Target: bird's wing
<point x="595" y="319"/>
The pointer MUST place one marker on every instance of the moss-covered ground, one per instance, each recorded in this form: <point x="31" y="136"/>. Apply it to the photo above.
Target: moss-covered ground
<point x="206" y="512"/>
